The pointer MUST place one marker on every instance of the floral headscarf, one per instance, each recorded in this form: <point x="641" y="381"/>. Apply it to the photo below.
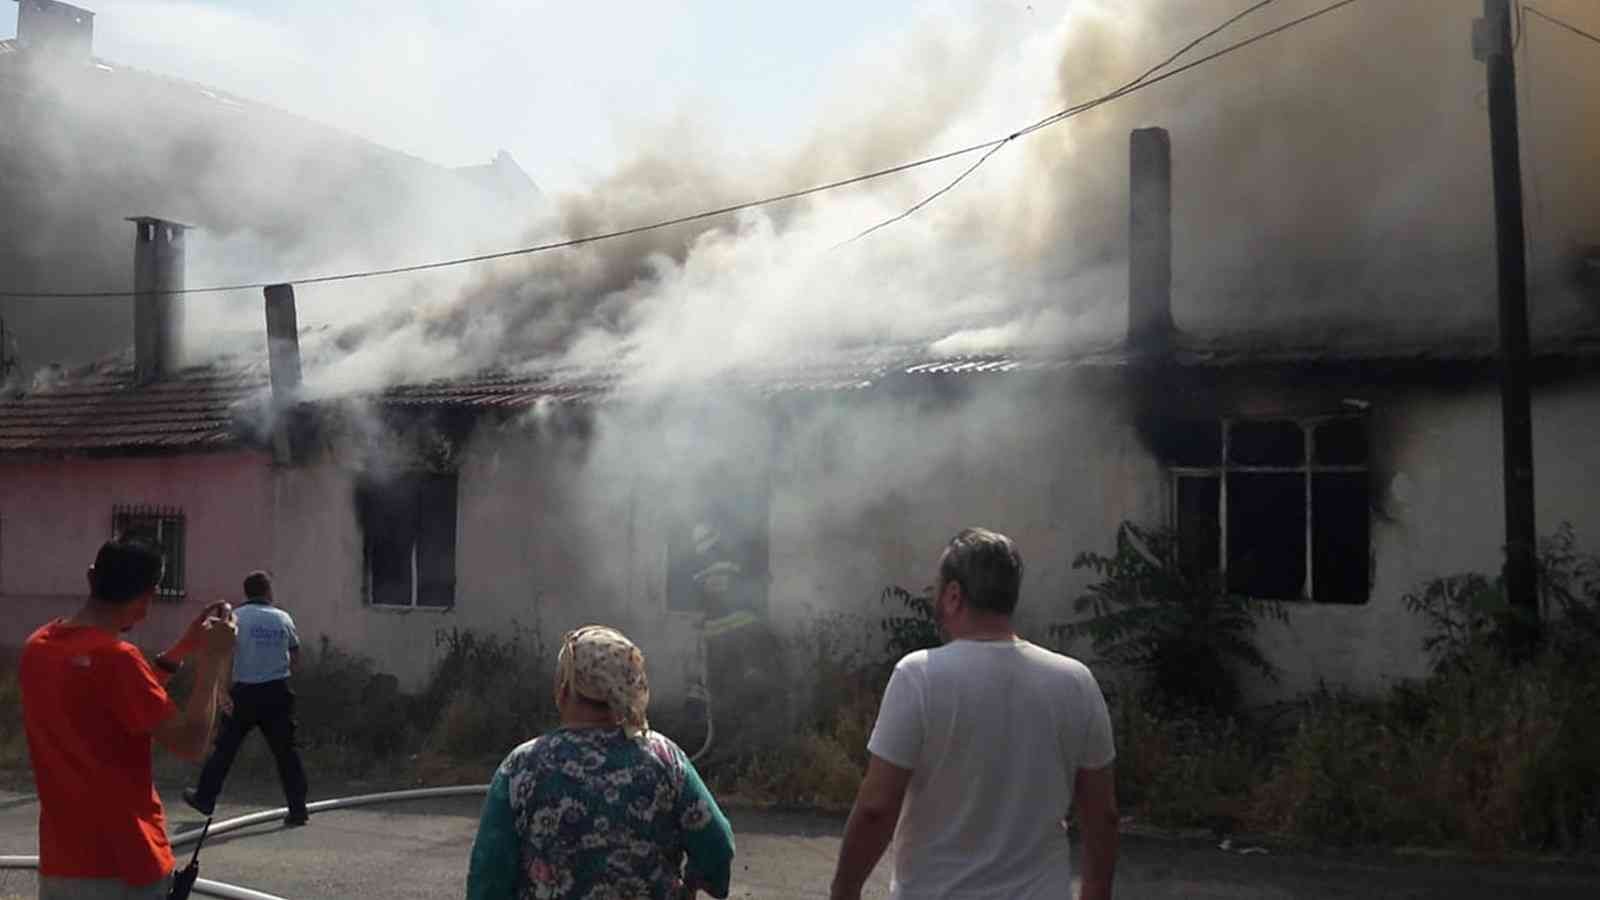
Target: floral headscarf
<point x="602" y="665"/>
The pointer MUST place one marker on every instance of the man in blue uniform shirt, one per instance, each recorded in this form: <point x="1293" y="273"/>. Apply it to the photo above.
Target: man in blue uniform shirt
<point x="266" y="651"/>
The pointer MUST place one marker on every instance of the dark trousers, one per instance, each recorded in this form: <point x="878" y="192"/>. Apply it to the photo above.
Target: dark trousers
<point x="269" y="705"/>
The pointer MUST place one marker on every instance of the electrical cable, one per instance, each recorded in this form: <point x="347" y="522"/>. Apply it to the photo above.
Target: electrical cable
<point x="522" y="251"/>
<point x="1131" y="87"/>
<point x="1056" y="117"/>
<point x="1567" y="25"/>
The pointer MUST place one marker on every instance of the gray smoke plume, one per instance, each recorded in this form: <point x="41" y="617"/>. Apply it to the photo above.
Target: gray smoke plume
<point x="1337" y="173"/>
<point x="1335" y="177"/>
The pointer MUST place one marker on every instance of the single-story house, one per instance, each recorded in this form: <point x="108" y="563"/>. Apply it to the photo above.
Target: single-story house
<point x="1336" y="476"/>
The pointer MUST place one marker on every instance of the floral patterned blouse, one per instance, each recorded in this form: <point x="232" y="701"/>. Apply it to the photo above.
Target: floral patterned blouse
<point x="592" y="813"/>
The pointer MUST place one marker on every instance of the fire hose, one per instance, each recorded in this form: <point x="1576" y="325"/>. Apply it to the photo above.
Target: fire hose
<point x="698" y="693"/>
<point x="209" y="888"/>
<point x="226" y="891"/>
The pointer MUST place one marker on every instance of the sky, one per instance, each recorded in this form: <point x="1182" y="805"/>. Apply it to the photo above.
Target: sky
<point x="564" y="87"/>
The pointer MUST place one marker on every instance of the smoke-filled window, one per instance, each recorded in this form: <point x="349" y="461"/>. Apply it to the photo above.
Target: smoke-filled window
<point x="1280" y="507"/>
<point x="717" y="553"/>
<point x="408" y="525"/>
<point x="161" y="527"/>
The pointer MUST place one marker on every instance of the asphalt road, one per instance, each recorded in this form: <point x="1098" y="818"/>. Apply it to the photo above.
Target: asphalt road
<point x="419" y="850"/>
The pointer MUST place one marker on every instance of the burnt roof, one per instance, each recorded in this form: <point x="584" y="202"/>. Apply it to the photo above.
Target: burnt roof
<point x="103" y="407"/>
<point x="207" y="407"/>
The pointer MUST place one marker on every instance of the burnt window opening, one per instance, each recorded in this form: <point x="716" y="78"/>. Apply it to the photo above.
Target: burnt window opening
<point x="718" y="560"/>
<point x="1281" y="508"/>
<point x="161" y="527"/>
<point x="408" y="526"/>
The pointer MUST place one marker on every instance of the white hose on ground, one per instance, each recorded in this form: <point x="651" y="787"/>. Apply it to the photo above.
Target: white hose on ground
<point x="202" y="886"/>
<point x="222" y="889"/>
<point x="274" y="815"/>
<point x="209" y="888"/>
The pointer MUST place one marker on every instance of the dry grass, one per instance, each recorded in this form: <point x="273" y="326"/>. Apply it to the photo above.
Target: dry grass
<point x="1184" y="772"/>
<point x="1495" y="759"/>
<point x="818" y="768"/>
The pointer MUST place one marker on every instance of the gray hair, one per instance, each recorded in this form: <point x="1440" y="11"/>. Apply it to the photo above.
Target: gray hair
<point x="988" y="568"/>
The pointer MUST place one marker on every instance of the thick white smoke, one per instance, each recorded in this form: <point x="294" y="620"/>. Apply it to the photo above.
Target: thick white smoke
<point x="1328" y="175"/>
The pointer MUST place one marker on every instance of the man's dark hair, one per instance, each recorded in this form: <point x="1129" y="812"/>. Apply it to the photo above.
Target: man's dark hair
<point x="124" y="570"/>
<point x="987" y="566"/>
<point x="257" y="585"/>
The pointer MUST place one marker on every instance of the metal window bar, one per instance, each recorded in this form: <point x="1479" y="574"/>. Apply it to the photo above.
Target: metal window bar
<point x="1309" y="468"/>
<point x="163" y="526"/>
<point x="1308" y="446"/>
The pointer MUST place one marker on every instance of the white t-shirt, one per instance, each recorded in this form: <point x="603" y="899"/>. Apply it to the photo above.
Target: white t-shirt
<point x="994" y="733"/>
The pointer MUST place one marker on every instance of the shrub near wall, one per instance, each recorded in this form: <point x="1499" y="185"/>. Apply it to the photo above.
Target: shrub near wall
<point x="488" y="694"/>
<point x="348" y="710"/>
<point x="13" y="741"/>
<point x="1497" y="758"/>
<point x="846" y="658"/>
<point x="1495" y="750"/>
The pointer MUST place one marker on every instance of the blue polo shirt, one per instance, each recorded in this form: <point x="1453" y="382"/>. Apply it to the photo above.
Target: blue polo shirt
<point x="266" y="635"/>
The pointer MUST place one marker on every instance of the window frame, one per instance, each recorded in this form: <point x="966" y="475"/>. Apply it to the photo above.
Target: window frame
<point x="413" y="482"/>
<point x="1308" y="469"/>
<point x="127" y="519"/>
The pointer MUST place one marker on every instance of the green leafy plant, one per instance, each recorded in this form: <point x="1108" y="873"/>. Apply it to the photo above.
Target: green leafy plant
<point x="1182" y="630"/>
<point x="1470" y="618"/>
<point x="1464" y="614"/>
<point x="1569" y="587"/>
<point x="917" y="629"/>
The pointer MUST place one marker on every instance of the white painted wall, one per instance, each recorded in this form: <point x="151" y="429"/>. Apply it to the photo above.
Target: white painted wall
<point x="1445" y="499"/>
<point x="866" y="489"/>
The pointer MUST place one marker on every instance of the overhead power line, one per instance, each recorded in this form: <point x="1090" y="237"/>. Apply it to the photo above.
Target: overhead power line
<point x="1144" y="81"/>
<point x="1561" y="24"/>
<point x="1056" y="117"/>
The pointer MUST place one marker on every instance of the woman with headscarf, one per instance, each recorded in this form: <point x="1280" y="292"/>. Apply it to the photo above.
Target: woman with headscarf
<point x="602" y="807"/>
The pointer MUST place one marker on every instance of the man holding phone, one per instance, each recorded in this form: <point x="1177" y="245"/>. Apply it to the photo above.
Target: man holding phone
<point x="92" y="707"/>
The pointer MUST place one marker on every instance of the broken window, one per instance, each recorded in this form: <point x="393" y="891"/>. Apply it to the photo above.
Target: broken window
<point x="408" y="526"/>
<point x="160" y="527"/>
<point x="1280" y="507"/>
<point x="717" y="557"/>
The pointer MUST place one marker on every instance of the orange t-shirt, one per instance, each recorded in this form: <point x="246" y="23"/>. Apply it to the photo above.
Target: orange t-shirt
<point x="90" y="704"/>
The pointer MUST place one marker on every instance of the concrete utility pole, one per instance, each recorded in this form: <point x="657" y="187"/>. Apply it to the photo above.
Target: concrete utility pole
<point x="1492" y="45"/>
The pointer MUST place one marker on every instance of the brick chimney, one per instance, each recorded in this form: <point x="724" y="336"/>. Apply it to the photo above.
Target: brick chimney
<point x="283" y="360"/>
<point x="57" y="32"/>
<point x="1150" y="328"/>
<point x="157" y="311"/>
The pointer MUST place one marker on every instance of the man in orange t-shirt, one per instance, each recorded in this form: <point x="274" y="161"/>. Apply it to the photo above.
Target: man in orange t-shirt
<point x="91" y="705"/>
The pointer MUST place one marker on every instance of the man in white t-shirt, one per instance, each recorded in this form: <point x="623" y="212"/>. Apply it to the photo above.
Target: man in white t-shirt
<point x="981" y="748"/>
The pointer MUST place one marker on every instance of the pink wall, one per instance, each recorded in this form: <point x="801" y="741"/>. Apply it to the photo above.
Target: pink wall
<point x="55" y="513"/>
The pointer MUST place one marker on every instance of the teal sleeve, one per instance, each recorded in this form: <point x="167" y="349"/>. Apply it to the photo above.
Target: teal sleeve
<point x="496" y="853"/>
<point x="707" y="836"/>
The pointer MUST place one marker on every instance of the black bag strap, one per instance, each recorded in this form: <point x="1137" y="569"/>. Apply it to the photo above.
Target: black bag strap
<point x="204" y="830"/>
